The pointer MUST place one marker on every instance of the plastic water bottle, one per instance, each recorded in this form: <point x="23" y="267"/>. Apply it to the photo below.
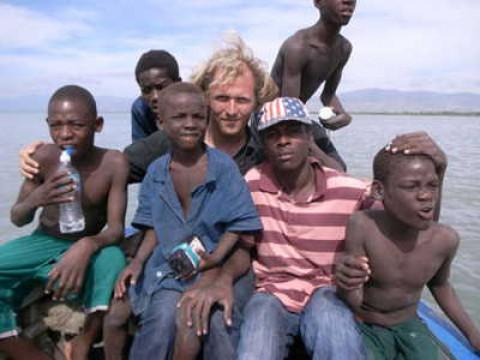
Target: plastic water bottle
<point x="71" y="217"/>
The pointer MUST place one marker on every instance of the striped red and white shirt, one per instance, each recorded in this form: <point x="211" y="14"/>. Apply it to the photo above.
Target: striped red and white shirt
<point x="296" y="252"/>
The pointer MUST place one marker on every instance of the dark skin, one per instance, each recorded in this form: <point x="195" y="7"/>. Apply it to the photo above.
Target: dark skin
<point x="184" y="121"/>
<point x="287" y="149"/>
<point x="104" y="178"/>
<point x="151" y="82"/>
<point x="351" y="272"/>
<point x="317" y="55"/>
<point x="405" y="251"/>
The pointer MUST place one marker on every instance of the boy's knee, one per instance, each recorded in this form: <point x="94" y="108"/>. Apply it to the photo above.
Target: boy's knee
<point x="116" y="318"/>
<point x="112" y="256"/>
<point x="326" y="311"/>
<point x="108" y="263"/>
<point x="262" y="306"/>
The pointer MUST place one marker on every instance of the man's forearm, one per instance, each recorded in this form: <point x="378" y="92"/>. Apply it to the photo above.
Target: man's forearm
<point x="353" y="298"/>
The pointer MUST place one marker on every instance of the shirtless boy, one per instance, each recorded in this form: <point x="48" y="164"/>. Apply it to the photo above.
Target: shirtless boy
<point x="403" y="249"/>
<point x="82" y="263"/>
<point x="315" y="55"/>
<point x="198" y="191"/>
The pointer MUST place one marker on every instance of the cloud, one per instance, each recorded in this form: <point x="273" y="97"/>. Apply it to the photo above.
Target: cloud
<point x="428" y="45"/>
<point x="24" y="28"/>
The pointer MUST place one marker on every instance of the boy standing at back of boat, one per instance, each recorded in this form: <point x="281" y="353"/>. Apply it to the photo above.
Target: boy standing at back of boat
<point x="155" y="70"/>
<point x="398" y="250"/>
<point x="80" y="263"/>
<point x="315" y="55"/>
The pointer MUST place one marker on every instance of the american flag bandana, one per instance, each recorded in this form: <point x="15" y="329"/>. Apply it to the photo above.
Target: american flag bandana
<point x="283" y="109"/>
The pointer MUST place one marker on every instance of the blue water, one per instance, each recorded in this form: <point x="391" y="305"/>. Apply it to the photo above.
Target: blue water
<point x="458" y="136"/>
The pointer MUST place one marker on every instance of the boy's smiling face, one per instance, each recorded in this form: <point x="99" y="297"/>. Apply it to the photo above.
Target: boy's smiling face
<point x="71" y="122"/>
<point x="184" y="119"/>
<point x="411" y="190"/>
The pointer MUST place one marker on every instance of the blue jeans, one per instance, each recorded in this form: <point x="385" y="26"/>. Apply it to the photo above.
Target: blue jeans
<point x="326" y="326"/>
<point x="156" y="335"/>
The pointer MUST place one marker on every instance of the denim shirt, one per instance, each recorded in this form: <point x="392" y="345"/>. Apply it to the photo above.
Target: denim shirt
<point x="143" y="119"/>
<point x="222" y="203"/>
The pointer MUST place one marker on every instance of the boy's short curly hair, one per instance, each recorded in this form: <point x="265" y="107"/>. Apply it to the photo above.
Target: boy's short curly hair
<point x="385" y="161"/>
<point x="75" y="93"/>
<point x="230" y="61"/>
<point x="158" y="59"/>
<point x="181" y="87"/>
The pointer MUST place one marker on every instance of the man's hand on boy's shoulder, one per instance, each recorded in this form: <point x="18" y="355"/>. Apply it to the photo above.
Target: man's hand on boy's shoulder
<point x="28" y="166"/>
<point x="416" y="143"/>
<point x="68" y="274"/>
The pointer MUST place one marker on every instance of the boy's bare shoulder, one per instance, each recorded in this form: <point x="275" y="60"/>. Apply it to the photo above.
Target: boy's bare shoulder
<point x="46" y="152"/>
<point x="345" y="47"/>
<point x="445" y="235"/>
<point x="116" y="160"/>
<point x="296" y="43"/>
<point x="47" y="156"/>
<point x="362" y="219"/>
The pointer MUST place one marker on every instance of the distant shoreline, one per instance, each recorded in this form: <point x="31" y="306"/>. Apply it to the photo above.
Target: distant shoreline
<point x="313" y="111"/>
<point x="419" y="113"/>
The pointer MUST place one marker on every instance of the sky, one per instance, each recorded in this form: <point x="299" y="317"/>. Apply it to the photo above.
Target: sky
<point x="427" y="45"/>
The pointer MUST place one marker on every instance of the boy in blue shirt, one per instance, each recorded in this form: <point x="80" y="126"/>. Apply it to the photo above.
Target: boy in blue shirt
<point x="155" y="70"/>
<point x="192" y="191"/>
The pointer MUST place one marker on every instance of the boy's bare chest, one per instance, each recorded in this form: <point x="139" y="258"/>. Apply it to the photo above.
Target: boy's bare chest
<point x="403" y="268"/>
<point x="321" y="62"/>
<point x="185" y="181"/>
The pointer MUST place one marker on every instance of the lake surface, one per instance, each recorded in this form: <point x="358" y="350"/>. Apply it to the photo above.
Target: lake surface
<point x="358" y="143"/>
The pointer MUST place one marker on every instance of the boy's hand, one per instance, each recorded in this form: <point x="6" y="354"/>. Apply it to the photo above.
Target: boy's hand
<point x="67" y="275"/>
<point x="336" y="122"/>
<point x="196" y="305"/>
<point x="29" y="167"/>
<point x="416" y="143"/>
<point x="57" y="189"/>
<point x="351" y="272"/>
<point x="128" y="277"/>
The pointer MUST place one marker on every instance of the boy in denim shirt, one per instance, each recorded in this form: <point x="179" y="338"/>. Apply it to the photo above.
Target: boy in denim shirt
<point x="192" y="191"/>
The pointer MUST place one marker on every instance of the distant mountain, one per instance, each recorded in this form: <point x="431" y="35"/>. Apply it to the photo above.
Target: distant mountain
<point x="367" y="100"/>
<point x="380" y="100"/>
<point x="105" y="104"/>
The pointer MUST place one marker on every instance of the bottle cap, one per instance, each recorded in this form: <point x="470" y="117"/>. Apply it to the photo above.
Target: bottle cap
<point x="65" y="157"/>
<point x="69" y="149"/>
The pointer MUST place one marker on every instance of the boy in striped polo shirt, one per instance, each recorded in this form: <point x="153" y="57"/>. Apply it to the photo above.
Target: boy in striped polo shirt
<point x="304" y="209"/>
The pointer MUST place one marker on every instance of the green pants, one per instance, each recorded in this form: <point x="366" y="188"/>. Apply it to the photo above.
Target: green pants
<point x="410" y="340"/>
<point x="26" y="262"/>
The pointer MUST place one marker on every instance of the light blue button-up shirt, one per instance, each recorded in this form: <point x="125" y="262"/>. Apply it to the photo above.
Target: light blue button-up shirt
<point x="221" y="203"/>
